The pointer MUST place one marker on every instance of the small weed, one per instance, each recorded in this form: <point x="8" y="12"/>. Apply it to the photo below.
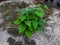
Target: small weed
<point x="31" y="19"/>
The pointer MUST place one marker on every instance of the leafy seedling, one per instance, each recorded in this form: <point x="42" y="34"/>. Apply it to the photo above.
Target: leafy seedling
<point x="31" y="19"/>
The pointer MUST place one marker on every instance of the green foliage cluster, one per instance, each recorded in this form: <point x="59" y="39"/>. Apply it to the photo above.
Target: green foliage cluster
<point x="31" y="19"/>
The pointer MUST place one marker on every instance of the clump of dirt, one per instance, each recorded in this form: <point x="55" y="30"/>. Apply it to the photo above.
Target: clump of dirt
<point x="11" y="41"/>
<point x="18" y="43"/>
<point x="27" y="42"/>
<point x="13" y="31"/>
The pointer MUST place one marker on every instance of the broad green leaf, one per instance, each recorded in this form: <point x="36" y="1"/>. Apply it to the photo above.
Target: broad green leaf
<point x="27" y="22"/>
<point x="40" y="13"/>
<point x="28" y="17"/>
<point x="28" y="33"/>
<point x="41" y="28"/>
<point x="22" y="11"/>
<point x="42" y="22"/>
<point x="31" y="9"/>
<point x="32" y="29"/>
<point x="33" y="17"/>
<point x="46" y="7"/>
<point x="38" y="9"/>
<point x="17" y="22"/>
<point x="22" y="17"/>
<point x="35" y="24"/>
<point x="39" y="5"/>
<point x="22" y="28"/>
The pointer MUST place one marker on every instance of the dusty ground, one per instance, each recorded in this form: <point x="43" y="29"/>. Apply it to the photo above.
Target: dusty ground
<point x="50" y="37"/>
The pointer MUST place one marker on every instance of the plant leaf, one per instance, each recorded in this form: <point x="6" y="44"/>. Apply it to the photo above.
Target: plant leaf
<point x="46" y="7"/>
<point x="32" y="29"/>
<point x="40" y="13"/>
<point x="41" y="29"/>
<point x="35" y="24"/>
<point x="28" y="33"/>
<point x="39" y="5"/>
<point x="33" y="17"/>
<point x="28" y="17"/>
<point x="31" y="9"/>
<point x="42" y="22"/>
<point x="22" y="28"/>
<point x="27" y="22"/>
<point x="22" y="17"/>
<point x="17" y="22"/>
<point x="22" y="11"/>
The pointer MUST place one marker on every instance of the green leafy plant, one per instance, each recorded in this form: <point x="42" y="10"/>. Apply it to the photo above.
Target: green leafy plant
<point x="31" y="19"/>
